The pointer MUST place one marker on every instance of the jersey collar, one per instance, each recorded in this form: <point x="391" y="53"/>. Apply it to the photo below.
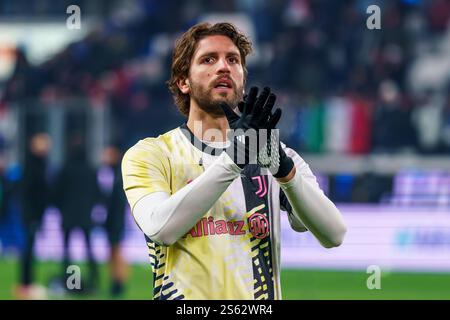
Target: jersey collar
<point x="198" y="143"/>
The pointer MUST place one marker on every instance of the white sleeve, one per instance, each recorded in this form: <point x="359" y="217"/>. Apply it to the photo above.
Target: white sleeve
<point x="311" y="207"/>
<point x="165" y="219"/>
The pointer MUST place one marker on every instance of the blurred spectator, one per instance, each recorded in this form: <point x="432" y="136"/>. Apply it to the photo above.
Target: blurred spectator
<point x="446" y="124"/>
<point x="306" y="50"/>
<point x="115" y="202"/>
<point x="35" y="197"/>
<point x="21" y="84"/>
<point x="3" y="191"/>
<point x="76" y="193"/>
<point x="428" y="119"/>
<point x="392" y="127"/>
<point x="438" y="15"/>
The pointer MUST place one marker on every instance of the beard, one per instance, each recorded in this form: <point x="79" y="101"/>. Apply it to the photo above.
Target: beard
<point x="203" y="97"/>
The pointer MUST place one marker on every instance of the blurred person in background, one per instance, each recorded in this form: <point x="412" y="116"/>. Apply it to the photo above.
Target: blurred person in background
<point x="392" y="126"/>
<point x="3" y="199"/>
<point x="35" y="196"/>
<point x="23" y="81"/>
<point x="115" y="203"/>
<point x="76" y="193"/>
<point x="428" y="118"/>
<point x="3" y="192"/>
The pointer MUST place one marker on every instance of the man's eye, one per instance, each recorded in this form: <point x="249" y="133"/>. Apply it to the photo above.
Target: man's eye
<point x="233" y="60"/>
<point x="208" y="60"/>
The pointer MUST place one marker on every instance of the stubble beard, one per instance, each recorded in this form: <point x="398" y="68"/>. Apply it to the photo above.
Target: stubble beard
<point x="203" y="97"/>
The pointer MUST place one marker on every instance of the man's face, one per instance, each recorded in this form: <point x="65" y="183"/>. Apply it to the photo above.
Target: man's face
<point x="216" y="74"/>
<point x="40" y="144"/>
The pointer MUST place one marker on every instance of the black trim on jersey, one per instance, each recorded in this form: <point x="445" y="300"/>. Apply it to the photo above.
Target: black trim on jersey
<point x="198" y="143"/>
<point x="284" y="203"/>
<point x="166" y="284"/>
<point x="265" y="263"/>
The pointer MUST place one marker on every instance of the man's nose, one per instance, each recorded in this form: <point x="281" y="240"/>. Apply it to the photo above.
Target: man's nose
<point x="223" y="66"/>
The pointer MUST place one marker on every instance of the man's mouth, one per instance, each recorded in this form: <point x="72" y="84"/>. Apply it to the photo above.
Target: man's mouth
<point x="223" y="84"/>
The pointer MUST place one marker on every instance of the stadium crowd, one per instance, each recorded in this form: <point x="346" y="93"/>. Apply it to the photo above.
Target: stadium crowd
<point x="344" y="88"/>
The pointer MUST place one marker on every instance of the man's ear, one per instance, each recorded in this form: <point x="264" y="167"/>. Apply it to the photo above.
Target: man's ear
<point x="183" y="85"/>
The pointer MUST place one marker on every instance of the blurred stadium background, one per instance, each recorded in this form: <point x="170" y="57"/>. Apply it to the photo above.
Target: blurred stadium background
<point x="369" y="110"/>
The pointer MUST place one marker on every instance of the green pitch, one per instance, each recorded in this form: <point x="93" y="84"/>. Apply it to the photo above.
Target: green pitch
<point x="296" y="284"/>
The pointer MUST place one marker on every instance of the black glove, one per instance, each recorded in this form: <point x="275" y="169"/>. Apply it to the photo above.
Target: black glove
<point x="256" y="115"/>
<point x="279" y="164"/>
<point x="285" y="166"/>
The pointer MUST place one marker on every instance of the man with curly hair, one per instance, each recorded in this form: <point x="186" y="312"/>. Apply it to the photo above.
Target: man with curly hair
<point x="208" y="205"/>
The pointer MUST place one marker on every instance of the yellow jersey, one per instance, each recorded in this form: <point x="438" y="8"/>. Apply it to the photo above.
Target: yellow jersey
<point x="232" y="252"/>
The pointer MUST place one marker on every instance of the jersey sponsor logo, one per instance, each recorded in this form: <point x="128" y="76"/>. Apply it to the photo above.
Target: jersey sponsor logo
<point x="258" y="225"/>
<point x="208" y="226"/>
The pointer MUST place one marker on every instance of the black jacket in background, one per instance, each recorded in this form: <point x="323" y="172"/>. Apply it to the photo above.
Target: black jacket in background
<point x="76" y="193"/>
<point x="34" y="188"/>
